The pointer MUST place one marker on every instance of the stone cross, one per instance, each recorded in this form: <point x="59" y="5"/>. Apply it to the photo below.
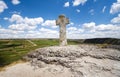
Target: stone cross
<point x="62" y="22"/>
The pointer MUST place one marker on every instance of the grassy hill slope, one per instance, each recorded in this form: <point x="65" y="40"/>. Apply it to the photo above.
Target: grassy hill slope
<point x="13" y="50"/>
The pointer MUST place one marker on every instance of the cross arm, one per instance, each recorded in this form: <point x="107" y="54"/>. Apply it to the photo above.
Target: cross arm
<point x="67" y="20"/>
<point x="57" y="22"/>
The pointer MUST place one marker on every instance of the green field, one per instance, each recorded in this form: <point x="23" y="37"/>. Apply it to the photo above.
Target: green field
<point x="13" y="50"/>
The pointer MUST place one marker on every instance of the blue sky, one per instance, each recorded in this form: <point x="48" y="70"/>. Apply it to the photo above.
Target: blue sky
<point x="36" y="18"/>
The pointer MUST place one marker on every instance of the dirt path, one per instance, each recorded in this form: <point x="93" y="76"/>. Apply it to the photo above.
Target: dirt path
<point x="32" y="43"/>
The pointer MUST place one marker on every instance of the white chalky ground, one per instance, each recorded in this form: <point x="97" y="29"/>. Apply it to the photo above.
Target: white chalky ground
<point x="69" y="61"/>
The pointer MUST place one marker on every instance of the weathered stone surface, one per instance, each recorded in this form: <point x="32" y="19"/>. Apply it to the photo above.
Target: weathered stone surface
<point x="81" y="60"/>
<point x="62" y="21"/>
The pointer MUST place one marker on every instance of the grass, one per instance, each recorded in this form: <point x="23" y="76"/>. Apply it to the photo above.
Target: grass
<point x="14" y="50"/>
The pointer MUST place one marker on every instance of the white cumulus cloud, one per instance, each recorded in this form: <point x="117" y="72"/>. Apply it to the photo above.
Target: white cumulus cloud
<point x="48" y="31"/>
<point x="15" y="2"/>
<point x="74" y="32"/>
<point x="16" y="18"/>
<point x="72" y="28"/>
<point x="51" y="23"/>
<point x="115" y="8"/>
<point x="25" y="27"/>
<point x="26" y="23"/>
<point x="116" y="20"/>
<point x="78" y="2"/>
<point x="33" y="21"/>
<point x="3" y="6"/>
<point x="41" y="33"/>
<point x="22" y="27"/>
<point x="101" y="27"/>
<point x="91" y="30"/>
<point x="89" y="26"/>
<point x="107" y="27"/>
<point x="67" y="4"/>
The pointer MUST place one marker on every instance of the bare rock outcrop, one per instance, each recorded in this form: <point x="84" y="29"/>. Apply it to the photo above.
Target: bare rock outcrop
<point x="81" y="60"/>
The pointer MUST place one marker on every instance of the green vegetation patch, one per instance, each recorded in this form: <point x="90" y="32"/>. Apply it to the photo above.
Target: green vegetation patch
<point x="13" y="50"/>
